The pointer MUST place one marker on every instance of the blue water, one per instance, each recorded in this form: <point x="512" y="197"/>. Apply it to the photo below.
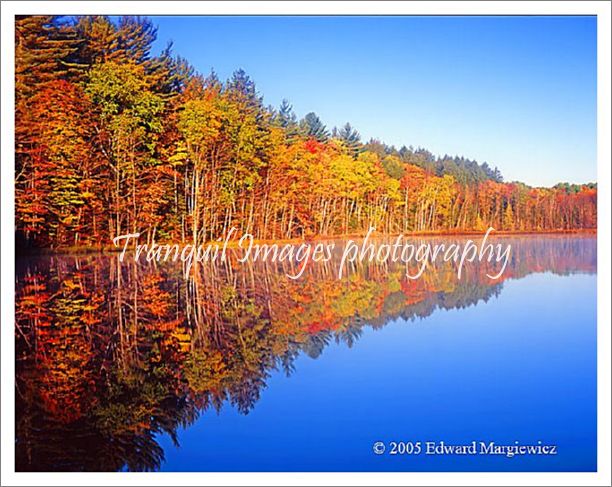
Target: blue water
<point x="519" y="367"/>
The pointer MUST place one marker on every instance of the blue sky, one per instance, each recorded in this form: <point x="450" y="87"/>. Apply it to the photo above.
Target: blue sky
<point x="517" y="92"/>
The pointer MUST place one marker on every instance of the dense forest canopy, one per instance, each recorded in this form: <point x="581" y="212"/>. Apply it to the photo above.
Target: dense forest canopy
<point x="111" y="140"/>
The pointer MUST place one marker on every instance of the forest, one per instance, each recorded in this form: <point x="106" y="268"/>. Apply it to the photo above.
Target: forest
<point x="111" y="139"/>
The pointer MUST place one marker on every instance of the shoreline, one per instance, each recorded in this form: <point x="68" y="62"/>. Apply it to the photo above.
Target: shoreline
<point x="108" y="249"/>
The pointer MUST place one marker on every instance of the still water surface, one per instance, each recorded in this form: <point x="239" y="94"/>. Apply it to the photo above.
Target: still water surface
<point x="131" y="367"/>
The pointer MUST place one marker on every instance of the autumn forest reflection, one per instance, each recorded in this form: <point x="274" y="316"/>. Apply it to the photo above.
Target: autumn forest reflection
<point x="110" y="354"/>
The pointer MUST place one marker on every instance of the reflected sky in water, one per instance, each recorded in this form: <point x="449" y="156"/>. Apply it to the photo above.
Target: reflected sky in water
<point x="123" y="367"/>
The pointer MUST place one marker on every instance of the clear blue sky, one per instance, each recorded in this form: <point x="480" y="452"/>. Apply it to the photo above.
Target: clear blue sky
<point x="517" y="92"/>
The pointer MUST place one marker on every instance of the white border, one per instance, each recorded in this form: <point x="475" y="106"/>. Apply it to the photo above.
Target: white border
<point x="9" y="9"/>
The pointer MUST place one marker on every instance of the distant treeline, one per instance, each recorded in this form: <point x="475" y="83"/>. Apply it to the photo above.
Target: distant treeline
<point x="112" y="140"/>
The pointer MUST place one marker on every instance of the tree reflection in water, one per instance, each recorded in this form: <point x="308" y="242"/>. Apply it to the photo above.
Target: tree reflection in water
<point x="109" y="355"/>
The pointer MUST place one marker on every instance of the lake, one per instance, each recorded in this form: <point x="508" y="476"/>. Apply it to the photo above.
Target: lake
<point x="125" y="366"/>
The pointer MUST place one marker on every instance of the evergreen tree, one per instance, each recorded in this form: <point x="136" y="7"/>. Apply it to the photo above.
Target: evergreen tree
<point x="285" y="118"/>
<point x="312" y="126"/>
<point x="135" y="38"/>
<point x="240" y="89"/>
<point x="100" y="40"/>
<point x="351" y="139"/>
